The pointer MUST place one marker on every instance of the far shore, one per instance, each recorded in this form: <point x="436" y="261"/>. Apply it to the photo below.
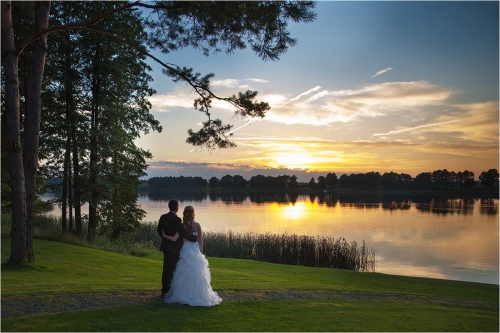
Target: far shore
<point x="477" y="192"/>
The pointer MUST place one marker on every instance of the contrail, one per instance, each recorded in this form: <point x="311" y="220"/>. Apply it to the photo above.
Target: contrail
<point x="249" y="122"/>
<point x="305" y="93"/>
<point x="382" y="72"/>
<point x="416" y="127"/>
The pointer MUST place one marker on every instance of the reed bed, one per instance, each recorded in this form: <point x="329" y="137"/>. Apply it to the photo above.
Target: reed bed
<point x="281" y="249"/>
<point x="291" y="250"/>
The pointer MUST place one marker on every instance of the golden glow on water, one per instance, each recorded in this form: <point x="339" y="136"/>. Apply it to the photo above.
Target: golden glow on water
<point x="293" y="210"/>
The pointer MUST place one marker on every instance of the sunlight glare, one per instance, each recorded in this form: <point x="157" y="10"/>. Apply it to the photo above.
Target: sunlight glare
<point x="293" y="160"/>
<point x="294" y="210"/>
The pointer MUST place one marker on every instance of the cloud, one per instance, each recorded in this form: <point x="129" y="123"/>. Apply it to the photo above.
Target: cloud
<point x="164" y="102"/>
<point x="209" y="170"/>
<point x="382" y="72"/>
<point x="475" y="123"/>
<point x="228" y="83"/>
<point x="183" y="97"/>
<point x="273" y="99"/>
<point x="478" y="122"/>
<point x="258" y="80"/>
<point x="232" y="83"/>
<point x="365" y="155"/>
<point x="374" y="100"/>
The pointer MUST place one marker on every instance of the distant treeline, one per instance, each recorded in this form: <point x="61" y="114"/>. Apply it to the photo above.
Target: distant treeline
<point x="177" y="182"/>
<point x="436" y="180"/>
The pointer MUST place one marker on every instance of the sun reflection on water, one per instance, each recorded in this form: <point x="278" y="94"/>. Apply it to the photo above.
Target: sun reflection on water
<point x="293" y="211"/>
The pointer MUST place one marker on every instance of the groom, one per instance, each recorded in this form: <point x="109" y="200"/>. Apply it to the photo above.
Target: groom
<point x="170" y="223"/>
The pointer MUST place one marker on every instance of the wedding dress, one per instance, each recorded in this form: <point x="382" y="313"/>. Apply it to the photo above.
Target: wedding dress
<point x="191" y="281"/>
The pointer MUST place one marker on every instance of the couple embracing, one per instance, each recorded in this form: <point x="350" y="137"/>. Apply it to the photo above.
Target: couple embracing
<point x="186" y="276"/>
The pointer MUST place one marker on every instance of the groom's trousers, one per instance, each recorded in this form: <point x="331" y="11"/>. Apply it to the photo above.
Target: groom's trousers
<point x="170" y="260"/>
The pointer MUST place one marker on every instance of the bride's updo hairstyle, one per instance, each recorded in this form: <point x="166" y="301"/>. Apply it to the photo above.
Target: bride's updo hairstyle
<point x="188" y="217"/>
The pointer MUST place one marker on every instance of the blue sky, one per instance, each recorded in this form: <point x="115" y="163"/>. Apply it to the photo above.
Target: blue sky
<point x="370" y="86"/>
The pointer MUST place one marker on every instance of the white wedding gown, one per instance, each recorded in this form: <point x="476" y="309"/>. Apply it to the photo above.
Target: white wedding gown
<point x="191" y="281"/>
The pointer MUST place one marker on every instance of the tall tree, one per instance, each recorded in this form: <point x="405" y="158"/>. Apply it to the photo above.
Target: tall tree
<point x="312" y="183"/>
<point x="214" y="182"/>
<point x="208" y="26"/>
<point x="293" y="184"/>
<point x="226" y="182"/>
<point x="321" y="182"/>
<point x="331" y="180"/>
<point x="23" y="160"/>
<point x="489" y="179"/>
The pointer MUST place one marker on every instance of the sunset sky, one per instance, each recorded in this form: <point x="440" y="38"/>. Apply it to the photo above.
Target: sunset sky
<point x="370" y="86"/>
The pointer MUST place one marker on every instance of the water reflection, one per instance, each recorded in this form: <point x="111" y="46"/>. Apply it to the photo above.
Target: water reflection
<point x="489" y="206"/>
<point x="279" y="197"/>
<point x="447" y="206"/>
<point x="165" y="195"/>
<point x="425" y="204"/>
<point x="396" y="205"/>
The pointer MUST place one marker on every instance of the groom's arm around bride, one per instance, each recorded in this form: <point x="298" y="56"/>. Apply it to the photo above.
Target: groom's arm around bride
<point x="170" y="223"/>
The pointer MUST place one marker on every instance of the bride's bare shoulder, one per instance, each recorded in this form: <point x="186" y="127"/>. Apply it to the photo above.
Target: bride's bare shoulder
<point x="196" y="226"/>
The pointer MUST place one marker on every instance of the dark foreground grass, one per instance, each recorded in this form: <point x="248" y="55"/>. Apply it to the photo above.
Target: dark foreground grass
<point x="279" y="316"/>
<point x="64" y="269"/>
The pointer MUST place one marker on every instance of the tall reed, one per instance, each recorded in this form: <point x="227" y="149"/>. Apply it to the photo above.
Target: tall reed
<point x="291" y="250"/>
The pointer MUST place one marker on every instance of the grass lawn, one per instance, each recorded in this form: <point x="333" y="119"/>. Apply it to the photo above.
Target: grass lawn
<point x="65" y="269"/>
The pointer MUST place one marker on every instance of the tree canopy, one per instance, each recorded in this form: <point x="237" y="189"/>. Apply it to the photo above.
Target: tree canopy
<point x="170" y="25"/>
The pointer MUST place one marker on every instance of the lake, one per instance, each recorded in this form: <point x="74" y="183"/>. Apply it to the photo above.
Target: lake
<point x="436" y="237"/>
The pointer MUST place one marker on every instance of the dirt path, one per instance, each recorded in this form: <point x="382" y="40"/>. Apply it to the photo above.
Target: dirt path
<point x="21" y="306"/>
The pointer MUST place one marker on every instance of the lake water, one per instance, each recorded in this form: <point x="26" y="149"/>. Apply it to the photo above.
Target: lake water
<point x="437" y="237"/>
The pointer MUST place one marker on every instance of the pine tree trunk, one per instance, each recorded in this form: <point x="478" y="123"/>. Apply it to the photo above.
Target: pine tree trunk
<point x="67" y="197"/>
<point x="13" y="135"/>
<point x="70" y="198"/>
<point x="76" y="182"/>
<point x="94" y="150"/>
<point x="65" y="183"/>
<point x="33" y="113"/>
<point x="70" y="111"/>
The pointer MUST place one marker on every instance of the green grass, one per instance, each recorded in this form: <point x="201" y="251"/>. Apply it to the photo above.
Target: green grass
<point x="62" y="268"/>
<point x="265" y="316"/>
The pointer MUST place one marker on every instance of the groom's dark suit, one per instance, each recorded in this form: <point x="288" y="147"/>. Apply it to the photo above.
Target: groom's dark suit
<point x="170" y="223"/>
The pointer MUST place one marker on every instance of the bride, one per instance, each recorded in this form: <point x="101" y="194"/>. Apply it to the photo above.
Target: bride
<point x="191" y="281"/>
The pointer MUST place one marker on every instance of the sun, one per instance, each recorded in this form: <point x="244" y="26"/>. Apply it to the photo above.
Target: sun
<point x="293" y="160"/>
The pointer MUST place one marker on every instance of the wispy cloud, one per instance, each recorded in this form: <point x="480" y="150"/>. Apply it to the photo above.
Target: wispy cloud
<point x="232" y="83"/>
<point x="258" y="80"/>
<point x="374" y="100"/>
<point x="165" y="102"/>
<point x="475" y="123"/>
<point x="228" y="83"/>
<point x="408" y="129"/>
<point x="385" y="70"/>
<point x="383" y="155"/>
<point x="184" y="97"/>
